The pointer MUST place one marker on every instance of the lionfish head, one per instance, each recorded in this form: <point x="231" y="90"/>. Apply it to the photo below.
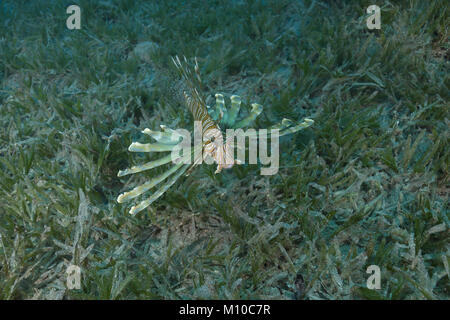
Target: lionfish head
<point x="220" y="152"/>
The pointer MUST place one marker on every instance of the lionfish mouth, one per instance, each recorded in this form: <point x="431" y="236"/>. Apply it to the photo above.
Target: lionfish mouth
<point x="215" y="148"/>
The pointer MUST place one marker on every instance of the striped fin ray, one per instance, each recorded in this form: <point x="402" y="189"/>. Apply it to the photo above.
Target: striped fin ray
<point x="192" y="82"/>
<point x="288" y="126"/>
<point x="195" y="102"/>
<point x="146" y="166"/>
<point x="234" y="110"/>
<point x="150" y="147"/>
<point x="220" y="110"/>
<point x="254" y="113"/>
<point x="200" y="113"/>
<point x="213" y="113"/>
<point x="167" y="136"/>
<point x="148" y="185"/>
<point x="145" y="203"/>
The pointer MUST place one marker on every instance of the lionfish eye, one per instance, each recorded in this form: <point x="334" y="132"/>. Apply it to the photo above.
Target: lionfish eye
<point x="212" y="139"/>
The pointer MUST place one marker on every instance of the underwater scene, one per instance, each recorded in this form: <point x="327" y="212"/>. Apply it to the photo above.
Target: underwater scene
<point x="224" y="150"/>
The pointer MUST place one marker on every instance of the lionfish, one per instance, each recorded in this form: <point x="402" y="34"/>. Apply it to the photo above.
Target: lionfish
<point x="211" y="145"/>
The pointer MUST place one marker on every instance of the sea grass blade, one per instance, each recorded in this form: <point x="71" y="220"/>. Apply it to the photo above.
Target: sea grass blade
<point x="145" y="203"/>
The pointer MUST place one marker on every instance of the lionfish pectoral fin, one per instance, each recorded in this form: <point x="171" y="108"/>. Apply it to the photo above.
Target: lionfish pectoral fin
<point x="197" y="155"/>
<point x="220" y="110"/>
<point x="164" y="137"/>
<point x="212" y="113"/>
<point x="254" y="113"/>
<point x="137" y="191"/>
<point x="288" y="126"/>
<point x="146" y="166"/>
<point x="164" y="187"/>
<point x="150" y="147"/>
<point x="234" y="110"/>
